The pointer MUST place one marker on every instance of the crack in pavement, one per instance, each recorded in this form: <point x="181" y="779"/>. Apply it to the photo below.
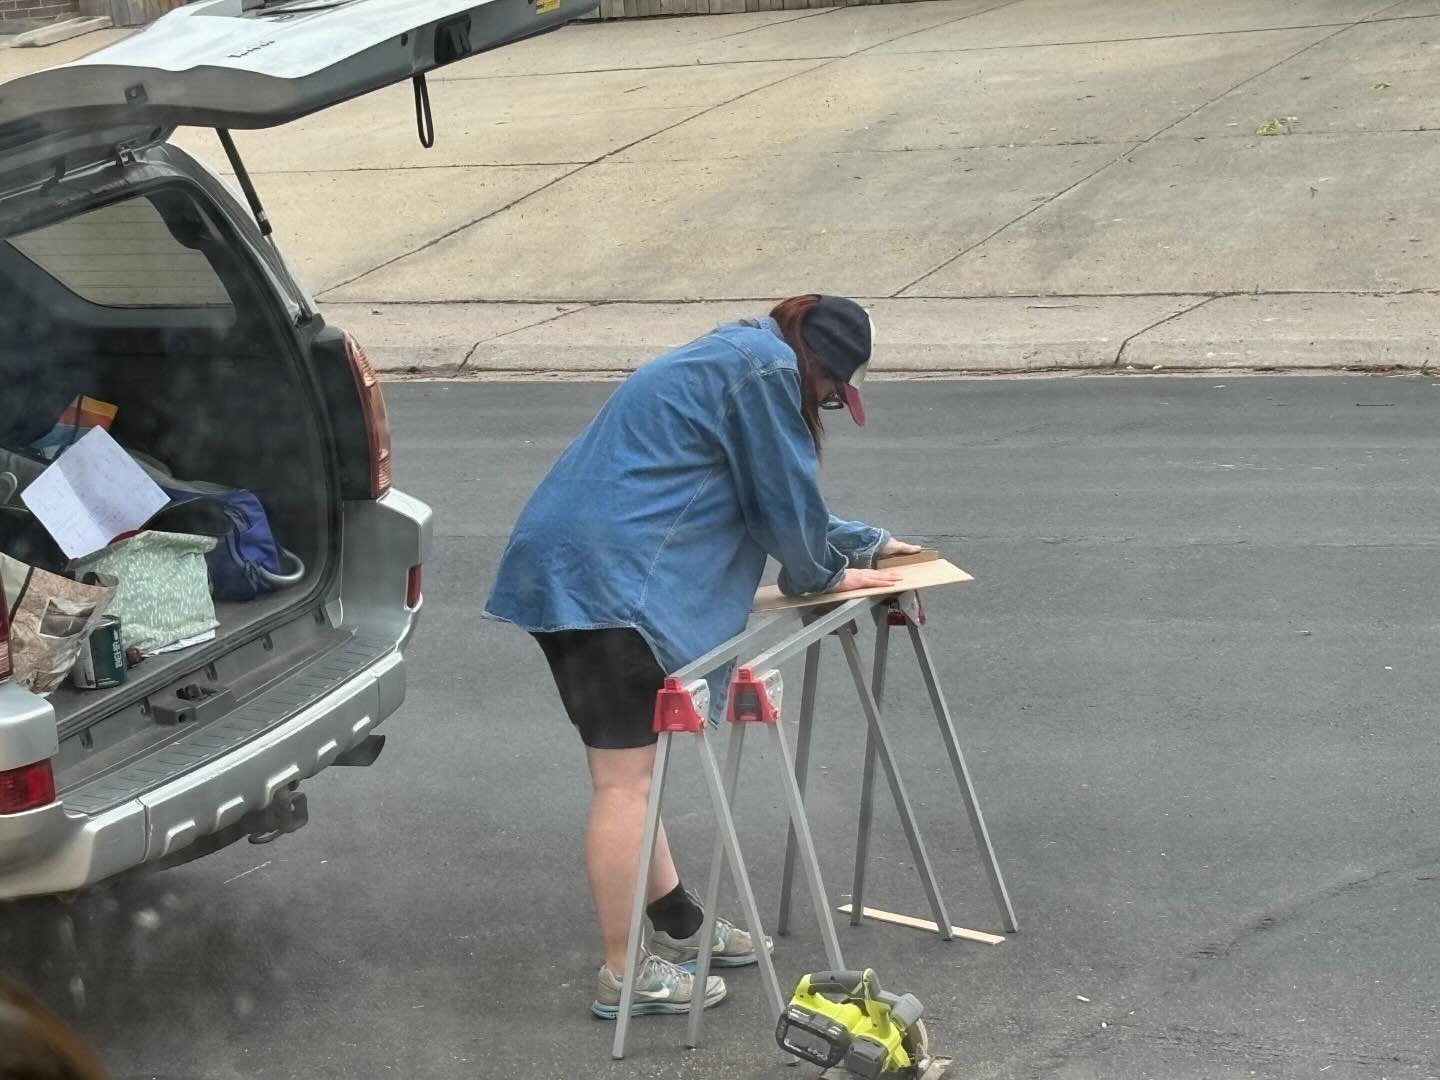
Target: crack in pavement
<point x="641" y="69"/>
<point x="1120" y="352"/>
<point x="1037" y="207"/>
<point x="654" y="134"/>
<point x="1292" y="912"/>
<point x="915" y="52"/>
<point x="1046" y="298"/>
<point x="556" y="317"/>
<point x="1190" y="968"/>
<point x="1165" y="37"/>
<point x="778" y="22"/>
<point x="411" y="168"/>
<point x="856" y="152"/>
<point x="564" y="176"/>
<point x="1252" y="1050"/>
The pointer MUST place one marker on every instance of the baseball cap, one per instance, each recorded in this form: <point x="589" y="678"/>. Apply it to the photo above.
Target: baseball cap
<point x="842" y="336"/>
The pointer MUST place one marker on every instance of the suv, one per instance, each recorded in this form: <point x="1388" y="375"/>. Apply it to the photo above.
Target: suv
<point x="129" y="272"/>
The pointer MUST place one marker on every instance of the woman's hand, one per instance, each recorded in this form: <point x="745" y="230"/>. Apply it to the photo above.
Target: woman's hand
<point x="895" y="546"/>
<point x="864" y="579"/>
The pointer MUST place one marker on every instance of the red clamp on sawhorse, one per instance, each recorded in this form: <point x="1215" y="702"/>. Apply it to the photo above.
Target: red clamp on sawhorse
<point x="682" y="707"/>
<point x="682" y="710"/>
<point x="898" y="614"/>
<point x="755" y="699"/>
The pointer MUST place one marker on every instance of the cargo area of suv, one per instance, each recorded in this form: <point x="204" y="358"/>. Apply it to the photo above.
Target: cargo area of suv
<point x="145" y="304"/>
<point x="139" y="287"/>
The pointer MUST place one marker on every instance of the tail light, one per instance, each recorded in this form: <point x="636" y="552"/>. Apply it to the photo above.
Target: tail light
<point x="27" y="788"/>
<point x="755" y="700"/>
<point x="414" y="588"/>
<point x="377" y="420"/>
<point x="7" y="667"/>
<point x="681" y="709"/>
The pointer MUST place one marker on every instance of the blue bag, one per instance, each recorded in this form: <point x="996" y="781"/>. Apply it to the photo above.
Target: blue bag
<point x="248" y="561"/>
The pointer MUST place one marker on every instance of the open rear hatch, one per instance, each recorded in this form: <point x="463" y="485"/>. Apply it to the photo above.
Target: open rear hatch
<point x="239" y="64"/>
<point x="144" y="320"/>
<point x="120" y="285"/>
<point x="224" y="64"/>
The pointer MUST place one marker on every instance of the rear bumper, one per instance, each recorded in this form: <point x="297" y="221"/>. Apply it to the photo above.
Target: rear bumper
<point x="54" y="850"/>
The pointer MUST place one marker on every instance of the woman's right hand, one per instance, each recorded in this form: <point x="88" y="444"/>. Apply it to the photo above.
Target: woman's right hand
<point x="864" y="579"/>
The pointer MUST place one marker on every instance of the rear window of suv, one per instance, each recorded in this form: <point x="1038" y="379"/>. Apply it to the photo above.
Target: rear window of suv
<point x="123" y="255"/>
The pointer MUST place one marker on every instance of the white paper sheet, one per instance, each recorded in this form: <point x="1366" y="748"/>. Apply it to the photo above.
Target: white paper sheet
<point x="184" y="643"/>
<point x="94" y="493"/>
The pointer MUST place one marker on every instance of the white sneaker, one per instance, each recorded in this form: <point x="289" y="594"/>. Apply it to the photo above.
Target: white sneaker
<point x="660" y="987"/>
<point x="732" y="947"/>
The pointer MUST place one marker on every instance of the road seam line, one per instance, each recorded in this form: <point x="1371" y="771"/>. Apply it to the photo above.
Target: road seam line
<point x="545" y="187"/>
<point x="654" y="134"/>
<point x="1162" y="37"/>
<point x="690" y="301"/>
<point x="1128" y="153"/>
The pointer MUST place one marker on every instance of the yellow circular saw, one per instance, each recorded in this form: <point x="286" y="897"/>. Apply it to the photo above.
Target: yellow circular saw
<point x="844" y="1021"/>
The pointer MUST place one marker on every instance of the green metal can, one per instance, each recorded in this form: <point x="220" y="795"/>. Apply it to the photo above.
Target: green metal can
<point x="102" y="658"/>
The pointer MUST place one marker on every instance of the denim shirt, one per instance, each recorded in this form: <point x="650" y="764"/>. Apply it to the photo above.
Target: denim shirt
<point x="660" y="515"/>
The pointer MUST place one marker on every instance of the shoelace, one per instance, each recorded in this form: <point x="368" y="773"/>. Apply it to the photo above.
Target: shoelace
<point x="667" y="973"/>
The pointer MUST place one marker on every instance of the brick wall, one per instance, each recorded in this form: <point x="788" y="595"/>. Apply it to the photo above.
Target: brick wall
<point x="37" y="10"/>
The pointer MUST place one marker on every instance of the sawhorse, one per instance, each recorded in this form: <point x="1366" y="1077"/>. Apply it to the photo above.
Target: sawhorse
<point x="904" y="610"/>
<point x="683" y="708"/>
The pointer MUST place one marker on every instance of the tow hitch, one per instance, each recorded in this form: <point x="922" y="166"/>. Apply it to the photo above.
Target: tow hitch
<point x="288" y="813"/>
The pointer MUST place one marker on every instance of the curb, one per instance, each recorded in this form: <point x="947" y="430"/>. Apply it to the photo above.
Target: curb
<point x="60" y="31"/>
<point x="924" y="337"/>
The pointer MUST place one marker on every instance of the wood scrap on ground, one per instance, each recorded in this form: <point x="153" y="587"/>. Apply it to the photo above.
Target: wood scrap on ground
<point x="896" y="919"/>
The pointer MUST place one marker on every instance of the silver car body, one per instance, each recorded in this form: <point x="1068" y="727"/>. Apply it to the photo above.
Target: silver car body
<point x="107" y="119"/>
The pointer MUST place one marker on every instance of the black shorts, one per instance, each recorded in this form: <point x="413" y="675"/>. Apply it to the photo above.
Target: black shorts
<point x="607" y="681"/>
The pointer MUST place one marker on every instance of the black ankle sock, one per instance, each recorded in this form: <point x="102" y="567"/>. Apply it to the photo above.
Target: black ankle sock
<point x="676" y="913"/>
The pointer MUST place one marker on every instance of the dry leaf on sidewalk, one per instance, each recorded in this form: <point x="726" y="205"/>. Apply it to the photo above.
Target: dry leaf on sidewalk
<point x="1277" y="125"/>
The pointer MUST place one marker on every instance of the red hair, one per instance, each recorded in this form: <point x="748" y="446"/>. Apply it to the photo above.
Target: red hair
<point x="790" y="315"/>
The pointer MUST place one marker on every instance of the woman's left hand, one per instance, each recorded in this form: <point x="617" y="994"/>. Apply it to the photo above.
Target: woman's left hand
<point x="895" y="546"/>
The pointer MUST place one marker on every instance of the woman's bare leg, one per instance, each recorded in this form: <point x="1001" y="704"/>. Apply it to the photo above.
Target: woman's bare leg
<point x="621" y="782"/>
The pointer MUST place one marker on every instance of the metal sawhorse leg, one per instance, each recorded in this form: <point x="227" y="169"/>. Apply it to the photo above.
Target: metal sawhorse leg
<point x="814" y="626"/>
<point x="902" y="610"/>
<point x="721" y="789"/>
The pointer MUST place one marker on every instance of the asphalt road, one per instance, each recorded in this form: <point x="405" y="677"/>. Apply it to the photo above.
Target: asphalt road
<point x="1196" y="677"/>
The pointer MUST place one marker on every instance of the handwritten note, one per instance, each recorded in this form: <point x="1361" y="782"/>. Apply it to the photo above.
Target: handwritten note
<point x="92" y="494"/>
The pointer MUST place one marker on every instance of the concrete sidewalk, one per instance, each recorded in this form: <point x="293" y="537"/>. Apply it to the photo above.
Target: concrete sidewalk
<point x="1015" y="184"/>
<point x="926" y="337"/>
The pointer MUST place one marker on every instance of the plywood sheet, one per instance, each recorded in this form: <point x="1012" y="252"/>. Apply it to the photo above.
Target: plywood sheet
<point x="927" y="575"/>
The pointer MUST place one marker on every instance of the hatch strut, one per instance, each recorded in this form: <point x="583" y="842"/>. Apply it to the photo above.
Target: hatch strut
<point x="261" y="218"/>
<point x="282" y="266"/>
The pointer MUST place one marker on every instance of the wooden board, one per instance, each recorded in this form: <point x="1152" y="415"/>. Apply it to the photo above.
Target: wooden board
<point x="924" y="924"/>
<point x="889" y="562"/>
<point x="926" y="575"/>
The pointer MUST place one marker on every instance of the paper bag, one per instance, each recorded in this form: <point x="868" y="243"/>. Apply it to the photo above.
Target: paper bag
<point x="50" y="618"/>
